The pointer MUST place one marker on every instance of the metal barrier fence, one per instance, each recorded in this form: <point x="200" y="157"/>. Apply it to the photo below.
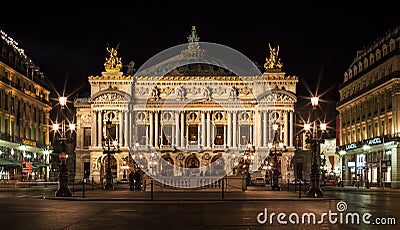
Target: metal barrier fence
<point x="190" y="183"/>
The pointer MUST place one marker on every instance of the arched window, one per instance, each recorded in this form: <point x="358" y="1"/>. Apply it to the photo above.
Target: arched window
<point x="365" y="63"/>
<point x="371" y="59"/>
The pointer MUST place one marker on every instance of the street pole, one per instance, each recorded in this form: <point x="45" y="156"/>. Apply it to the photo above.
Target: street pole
<point x="106" y="144"/>
<point x="63" y="190"/>
<point x="315" y="141"/>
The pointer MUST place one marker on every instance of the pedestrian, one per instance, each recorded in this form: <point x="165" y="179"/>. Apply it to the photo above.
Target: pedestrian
<point x="137" y="179"/>
<point x="131" y="181"/>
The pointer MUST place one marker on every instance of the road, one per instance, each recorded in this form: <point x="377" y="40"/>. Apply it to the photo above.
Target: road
<point x="24" y="210"/>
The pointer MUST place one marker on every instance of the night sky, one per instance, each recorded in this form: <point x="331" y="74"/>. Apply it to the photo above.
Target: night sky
<point x="318" y="42"/>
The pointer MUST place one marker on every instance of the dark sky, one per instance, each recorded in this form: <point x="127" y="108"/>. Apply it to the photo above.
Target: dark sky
<point x="318" y="42"/>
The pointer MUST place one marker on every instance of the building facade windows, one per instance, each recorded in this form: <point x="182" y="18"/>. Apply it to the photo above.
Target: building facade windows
<point x="378" y="118"/>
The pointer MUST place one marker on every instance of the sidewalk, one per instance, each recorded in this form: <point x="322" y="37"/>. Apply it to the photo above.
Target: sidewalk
<point x="251" y="194"/>
<point x="359" y="189"/>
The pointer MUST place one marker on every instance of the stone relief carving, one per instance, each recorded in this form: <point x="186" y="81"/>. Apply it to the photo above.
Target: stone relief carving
<point x="278" y="97"/>
<point x="180" y="92"/>
<point x="205" y="92"/>
<point x="233" y="93"/>
<point x="85" y="119"/>
<point x="108" y="97"/>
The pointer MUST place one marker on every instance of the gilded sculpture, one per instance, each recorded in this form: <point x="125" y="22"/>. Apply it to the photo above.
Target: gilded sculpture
<point x="113" y="63"/>
<point x="273" y="62"/>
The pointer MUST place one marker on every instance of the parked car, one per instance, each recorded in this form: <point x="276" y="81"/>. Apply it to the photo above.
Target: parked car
<point x="258" y="181"/>
<point x="297" y="181"/>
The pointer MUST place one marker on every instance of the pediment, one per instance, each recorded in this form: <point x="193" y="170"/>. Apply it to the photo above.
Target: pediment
<point x="111" y="96"/>
<point x="277" y="97"/>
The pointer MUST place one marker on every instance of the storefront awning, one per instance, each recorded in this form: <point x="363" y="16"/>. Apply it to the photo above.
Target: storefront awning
<point x="9" y="162"/>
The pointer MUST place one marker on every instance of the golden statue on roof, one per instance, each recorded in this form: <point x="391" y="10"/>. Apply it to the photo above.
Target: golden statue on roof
<point x="273" y="62"/>
<point x="113" y="63"/>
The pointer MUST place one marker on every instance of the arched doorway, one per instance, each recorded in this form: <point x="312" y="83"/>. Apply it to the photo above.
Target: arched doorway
<point x="217" y="166"/>
<point x="167" y="165"/>
<point x="104" y="167"/>
<point x="192" y="164"/>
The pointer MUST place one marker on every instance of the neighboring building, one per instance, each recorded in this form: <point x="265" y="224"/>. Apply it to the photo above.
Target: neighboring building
<point x="24" y="114"/>
<point x="369" y="115"/>
<point x="330" y="162"/>
<point x="175" y="120"/>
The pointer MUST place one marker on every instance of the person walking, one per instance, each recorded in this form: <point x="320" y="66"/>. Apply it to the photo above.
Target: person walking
<point x="137" y="178"/>
<point x="131" y="181"/>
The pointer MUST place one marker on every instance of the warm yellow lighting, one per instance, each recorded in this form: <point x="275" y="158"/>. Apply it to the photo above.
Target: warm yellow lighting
<point x="314" y="101"/>
<point x="342" y="152"/>
<point x="56" y="127"/>
<point x="307" y="126"/>
<point x="323" y="126"/>
<point x="62" y="100"/>
<point x="280" y="145"/>
<point x="275" y="126"/>
<point x="115" y="143"/>
<point x="366" y="147"/>
<point x="72" y="127"/>
<point x="269" y="145"/>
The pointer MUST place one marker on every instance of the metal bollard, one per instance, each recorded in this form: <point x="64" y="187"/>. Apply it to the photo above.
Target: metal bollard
<point x="83" y="188"/>
<point x="151" y="189"/>
<point x="300" y="190"/>
<point x="223" y="185"/>
<point x="288" y="185"/>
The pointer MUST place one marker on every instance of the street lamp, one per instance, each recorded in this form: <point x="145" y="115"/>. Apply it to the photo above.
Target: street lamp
<point x="315" y="141"/>
<point x="110" y="146"/>
<point x="342" y="153"/>
<point x="246" y="161"/>
<point x="63" y="190"/>
<point x="275" y="152"/>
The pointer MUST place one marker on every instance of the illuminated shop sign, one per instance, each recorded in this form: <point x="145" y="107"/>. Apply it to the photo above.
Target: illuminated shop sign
<point x="374" y="141"/>
<point x="351" y="146"/>
<point x="351" y="164"/>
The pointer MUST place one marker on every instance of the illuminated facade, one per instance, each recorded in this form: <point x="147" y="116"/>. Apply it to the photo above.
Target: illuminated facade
<point x="177" y="118"/>
<point x="24" y="114"/>
<point x="369" y="114"/>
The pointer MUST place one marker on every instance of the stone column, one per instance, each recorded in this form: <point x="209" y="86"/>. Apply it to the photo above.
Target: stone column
<point x="156" y="127"/>
<point x="120" y="128"/>
<point x="198" y="136"/>
<point x="94" y="128"/>
<point x="225" y="136"/>
<point x="203" y="135"/>
<point x="182" y="129"/>
<point x="177" y="129"/>
<point x="209" y="131"/>
<point x="265" y="132"/>
<point x="99" y="127"/>
<point x="286" y="133"/>
<point x="151" y="127"/>
<point x="229" y="124"/>
<point x="126" y="130"/>
<point x="292" y="125"/>
<point x="234" y="136"/>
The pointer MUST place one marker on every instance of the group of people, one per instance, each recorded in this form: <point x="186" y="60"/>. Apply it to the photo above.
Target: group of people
<point x="135" y="180"/>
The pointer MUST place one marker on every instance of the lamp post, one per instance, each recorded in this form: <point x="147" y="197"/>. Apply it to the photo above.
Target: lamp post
<point x="247" y="158"/>
<point x="110" y="146"/>
<point x="342" y="153"/>
<point x="63" y="190"/>
<point x="315" y="141"/>
<point x="275" y="166"/>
